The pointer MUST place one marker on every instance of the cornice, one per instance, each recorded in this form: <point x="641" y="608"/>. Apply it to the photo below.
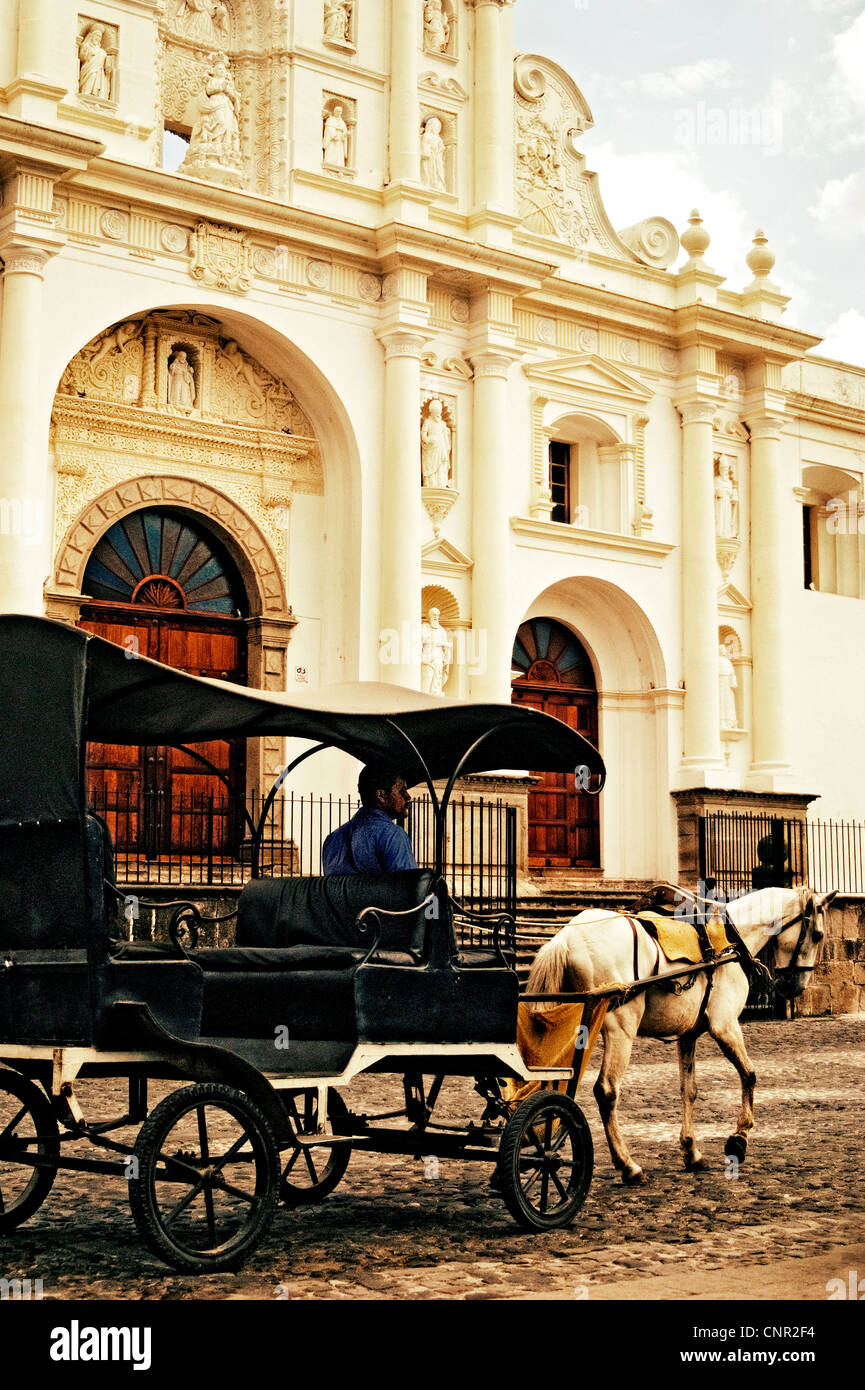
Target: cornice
<point x="570" y="540"/>
<point x="25" y="144"/>
<point x="824" y="412"/>
<point x="740" y="335"/>
<point x="337" y="68"/>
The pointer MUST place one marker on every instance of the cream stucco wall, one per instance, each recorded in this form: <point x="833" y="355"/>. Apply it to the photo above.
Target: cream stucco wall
<point x="513" y="300"/>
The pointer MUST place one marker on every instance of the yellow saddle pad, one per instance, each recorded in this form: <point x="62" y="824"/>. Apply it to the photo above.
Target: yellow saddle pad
<point x="678" y="939"/>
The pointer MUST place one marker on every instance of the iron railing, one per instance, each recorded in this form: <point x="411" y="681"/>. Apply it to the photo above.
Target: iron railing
<point x="164" y="839"/>
<point x="746" y="850"/>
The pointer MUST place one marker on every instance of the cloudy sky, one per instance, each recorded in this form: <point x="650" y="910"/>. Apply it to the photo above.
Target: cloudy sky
<point x="751" y="110"/>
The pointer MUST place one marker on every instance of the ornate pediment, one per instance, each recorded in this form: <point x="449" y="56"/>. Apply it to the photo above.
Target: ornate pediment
<point x="584" y="374"/>
<point x="555" y="195"/>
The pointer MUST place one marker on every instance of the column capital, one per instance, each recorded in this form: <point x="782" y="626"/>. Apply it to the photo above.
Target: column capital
<point x="24" y="260"/>
<point x="402" y="342"/>
<point x="765" y="426"/>
<point x="498" y="4"/>
<point x="696" y="411"/>
<point x="493" y="362"/>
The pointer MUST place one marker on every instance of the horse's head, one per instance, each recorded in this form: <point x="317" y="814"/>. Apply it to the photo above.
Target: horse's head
<point x="798" y="942"/>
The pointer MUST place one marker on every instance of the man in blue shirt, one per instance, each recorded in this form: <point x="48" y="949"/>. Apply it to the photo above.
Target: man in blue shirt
<point x="371" y="843"/>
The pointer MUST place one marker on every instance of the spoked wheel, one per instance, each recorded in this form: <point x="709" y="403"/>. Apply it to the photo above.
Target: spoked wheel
<point x="546" y="1161"/>
<point x="27" y="1126"/>
<point x="312" y="1174"/>
<point x="206" y="1180"/>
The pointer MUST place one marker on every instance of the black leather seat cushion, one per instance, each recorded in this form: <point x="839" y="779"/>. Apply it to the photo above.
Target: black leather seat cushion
<point x="286" y="912"/>
<point x="232" y="959"/>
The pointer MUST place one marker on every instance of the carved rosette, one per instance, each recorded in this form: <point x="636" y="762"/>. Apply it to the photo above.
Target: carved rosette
<point x="438" y="502"/>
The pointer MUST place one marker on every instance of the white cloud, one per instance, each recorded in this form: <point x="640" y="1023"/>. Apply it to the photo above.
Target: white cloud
<point x="669" y="185"/>
<point x="849" y="51"/>
<point x="685" y="81"/>
<point x="845" y="338"/>
<point x="840" y="206"/>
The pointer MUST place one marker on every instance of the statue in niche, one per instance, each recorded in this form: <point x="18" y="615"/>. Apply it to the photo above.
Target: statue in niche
<point x="243" y="369"/>
<point x="436" y="443"/>
<point x="727" y="684"/>
<point x="335" y="139"/>
<point x="337" y="21"/>
<point x="436" y="655"/>
<point x="432" y="155"/>
<point x="205" y="21"/>
<point x="726" y="501"/>
<point x="181" y="383"/>
<point x="215" y="138"/>
<point x="96" y="65"/>
<point x="436" y="27"/>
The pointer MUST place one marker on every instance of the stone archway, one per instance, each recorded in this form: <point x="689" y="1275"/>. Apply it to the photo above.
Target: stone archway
<point x="637" y="721"/>
<point x="245" y="541"/>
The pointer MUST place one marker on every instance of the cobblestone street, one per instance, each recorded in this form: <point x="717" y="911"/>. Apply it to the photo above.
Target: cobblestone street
<point x="390" y="1232"/>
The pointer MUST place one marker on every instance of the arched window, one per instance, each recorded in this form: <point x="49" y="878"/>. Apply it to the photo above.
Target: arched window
<point x="547" y="653"/>
<point x="163" y="559"/>
<point x="589" y="475"/>
<point x="833" y="523"/>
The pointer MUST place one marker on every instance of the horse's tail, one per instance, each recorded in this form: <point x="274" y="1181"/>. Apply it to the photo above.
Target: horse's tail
<point x="549" y="973"/>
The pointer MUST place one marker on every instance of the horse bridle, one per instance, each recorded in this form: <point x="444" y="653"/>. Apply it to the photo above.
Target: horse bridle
<point x="785" y="973"/>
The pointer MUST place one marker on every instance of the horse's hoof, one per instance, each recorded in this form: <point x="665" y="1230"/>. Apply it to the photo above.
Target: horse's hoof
<point x="736" y="1147"/>
<point x="696" y="1165"/>
<point x="635" y="1179"/>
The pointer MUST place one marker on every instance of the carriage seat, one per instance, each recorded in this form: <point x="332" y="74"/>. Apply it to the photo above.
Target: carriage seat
<point x="311" y="923"/>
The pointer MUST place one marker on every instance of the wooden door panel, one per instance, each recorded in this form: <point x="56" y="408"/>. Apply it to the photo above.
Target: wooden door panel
<point x="172" y="788"/>
<point x="563" y="824"/>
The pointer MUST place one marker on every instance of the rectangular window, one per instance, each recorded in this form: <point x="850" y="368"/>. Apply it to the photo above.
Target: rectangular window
<point x="560" y="482"/>
<point x="806" y="547"/>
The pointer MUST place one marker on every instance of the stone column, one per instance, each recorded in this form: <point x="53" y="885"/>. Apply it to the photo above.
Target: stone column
<point x="37" y="38"/>
<point x="404" y="121"/>
<point x="494" y="99"/>
<point x="771" y="535"/>
<point x="492" y="637"/>
<point x="24" y="458"/>
<point x="702" y="761"/>
<point x="44" y="37"/>
<point x="401" y="532"/>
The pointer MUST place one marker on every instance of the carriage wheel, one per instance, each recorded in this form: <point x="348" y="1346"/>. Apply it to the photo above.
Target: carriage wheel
<point x="545" y="1161"/>
<point x="25" y="1115"/>
<point x="312" y="1174"/>
<point x="205" y="1183"/>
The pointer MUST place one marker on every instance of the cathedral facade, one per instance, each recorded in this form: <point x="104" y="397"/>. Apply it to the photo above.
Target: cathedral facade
<point x="321" y="360"/>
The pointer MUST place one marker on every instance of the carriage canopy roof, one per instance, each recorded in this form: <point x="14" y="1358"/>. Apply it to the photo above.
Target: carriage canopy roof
<point x="61" y="686"/>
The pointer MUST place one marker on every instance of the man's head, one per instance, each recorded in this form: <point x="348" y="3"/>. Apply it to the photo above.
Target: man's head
<point x="382" y="787"/>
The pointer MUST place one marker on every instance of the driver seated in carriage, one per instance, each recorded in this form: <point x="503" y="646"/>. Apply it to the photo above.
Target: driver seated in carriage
<point x="374" y="840"/>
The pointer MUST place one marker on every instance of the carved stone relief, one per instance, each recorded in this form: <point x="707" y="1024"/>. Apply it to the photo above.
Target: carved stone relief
<point x="437" y="441"/>
<point x="339" y="22"/>
<point x="438" y="27"/>
<point x="727" y="527"/>
<point x="202" y="21"/>
<point x="432" y="155"/>
<point x="221" y="257"/>
<point x="97" y="61"/>
<point x="214" y="145"/>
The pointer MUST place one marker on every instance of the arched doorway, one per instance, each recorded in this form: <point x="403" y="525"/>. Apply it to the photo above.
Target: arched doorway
<point x="160" y="584"/>
<point x="553" y="673"/>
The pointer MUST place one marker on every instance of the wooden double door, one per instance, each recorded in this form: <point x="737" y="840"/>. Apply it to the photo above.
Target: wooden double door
<point x="161" y="801"/>
<point x="564" y="824"/>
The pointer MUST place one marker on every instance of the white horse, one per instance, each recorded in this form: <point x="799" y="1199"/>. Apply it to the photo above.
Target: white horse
<point x="599" y="948"/>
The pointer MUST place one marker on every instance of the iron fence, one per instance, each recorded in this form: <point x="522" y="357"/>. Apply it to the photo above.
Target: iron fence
<point x="744" y="850"/>
<point x="164" y="839"/>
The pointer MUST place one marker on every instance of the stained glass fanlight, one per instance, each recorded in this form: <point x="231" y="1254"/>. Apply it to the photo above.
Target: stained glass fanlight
<point x="547" y="652"/>
<point x="161" y="559"/>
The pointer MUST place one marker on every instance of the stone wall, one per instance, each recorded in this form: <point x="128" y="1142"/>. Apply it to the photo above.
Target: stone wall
<point x="839" y="980"/>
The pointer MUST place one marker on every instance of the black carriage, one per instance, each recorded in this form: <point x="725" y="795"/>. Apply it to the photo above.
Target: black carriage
<point x="327" y="979"/>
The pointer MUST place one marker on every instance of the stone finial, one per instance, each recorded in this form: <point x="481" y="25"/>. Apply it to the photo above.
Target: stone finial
<point x="760" y="258"/>
<point x="695" y="239"/>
